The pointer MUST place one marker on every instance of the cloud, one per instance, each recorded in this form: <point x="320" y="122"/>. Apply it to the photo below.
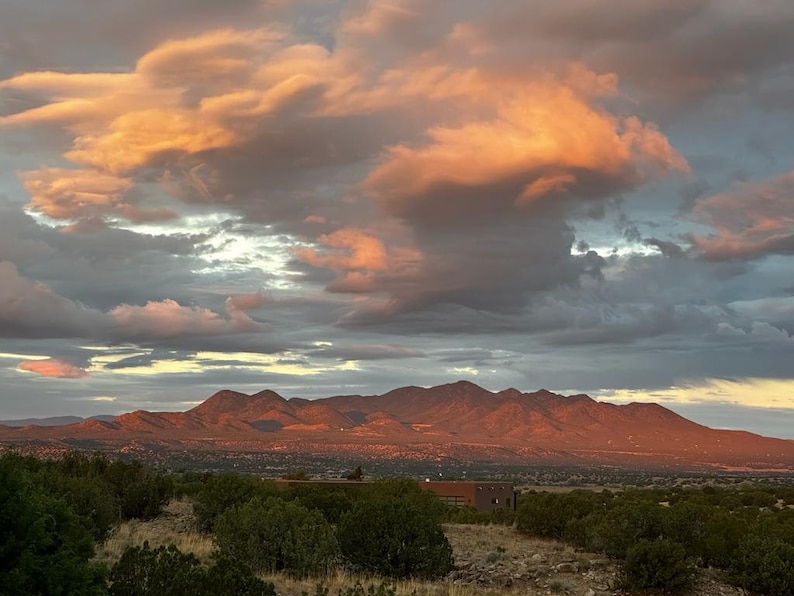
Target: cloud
<point x="547" y="141"/>
<point x="312" y="141"/>
<point x="400" y="178"/>
<point x="243" y="302"/>
<point x="366" y="352"/>
<point x="91" y="261"/>
<point x="755" y="220"/>
<point x="31" y="309"/>
<point x="54" y="367"/>
<point x="751" y="392"/>
<point x="156" y="320"/>
<point x="668" y="53"/>
<point x="61" y="193"/>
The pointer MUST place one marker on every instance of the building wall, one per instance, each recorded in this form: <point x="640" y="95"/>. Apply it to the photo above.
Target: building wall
<point x="484" y="496"/>
<point x="490" y="496"/>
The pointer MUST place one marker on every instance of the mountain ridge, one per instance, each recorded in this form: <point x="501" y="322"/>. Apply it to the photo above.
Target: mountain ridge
<point x="458" y="420"/>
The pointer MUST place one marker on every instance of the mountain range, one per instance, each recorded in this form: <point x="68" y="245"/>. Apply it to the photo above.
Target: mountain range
<point x="458" y="421"/>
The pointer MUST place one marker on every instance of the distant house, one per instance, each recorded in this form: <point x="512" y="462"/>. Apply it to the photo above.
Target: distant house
<point x="482" y="495"/>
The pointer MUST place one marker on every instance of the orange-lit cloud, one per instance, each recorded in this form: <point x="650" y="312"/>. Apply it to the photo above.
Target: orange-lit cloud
<point x="755" y="220"/>
<point x="350" y="248"/>
<point x="258" y="119"/>
<point x="54" y="367"/>
<point x="183" y="97"/>
<point x="548" y="139"/>
<point x="61" y="193"/>
<point x="247" y="301"/>
<point x="168" y="318"/>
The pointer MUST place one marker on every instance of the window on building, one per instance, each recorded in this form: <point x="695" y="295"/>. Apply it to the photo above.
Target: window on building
<point x="453" y="501"/>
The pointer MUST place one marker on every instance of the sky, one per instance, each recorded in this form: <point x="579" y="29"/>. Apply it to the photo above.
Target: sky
<point x="343" y="196"/>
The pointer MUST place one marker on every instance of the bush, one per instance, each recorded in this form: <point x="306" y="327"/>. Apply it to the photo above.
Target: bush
<point x="687" y="524"/>
<point x="331" y="502"/>
<point x="90" y="498"/>
<point x="224" y="491"/>
<point x="657" y="565"/>
<point x="548" y="514"/>
<point x="626" y="524"/>
<point x="382" y="589"/>
<point x="724" y="531"/>
<point x="45" y="547"/>
<point x="228" y="577"/>
<point x="395" y="530"/>
<point x="140" y="491"/>
<point x="275" y="535"/>
<point x="764" y="565"/>
<point x="164" y="571"/>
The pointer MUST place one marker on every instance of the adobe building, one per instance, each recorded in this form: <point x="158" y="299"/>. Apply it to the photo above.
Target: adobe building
<point x="482" y="495"/>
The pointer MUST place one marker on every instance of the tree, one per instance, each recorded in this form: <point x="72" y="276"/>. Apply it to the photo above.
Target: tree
<point x="45" y="548"/>
<point x="275" y="535"/>
<point x="395" y="530"/>
<point x="223" y="491"/>
<point x="331" y="502"/>
<point x="356" y="474"/>
<point x="548" y="514"/>
<point x="166" y="571"/>
<point x="657" y="565"/>
<point x="764" y="565"/>
<point x="626" y="524"/>
<point x="140" y="491"/>
<point x="163" y="571"/>
<point x="228" y="577"/>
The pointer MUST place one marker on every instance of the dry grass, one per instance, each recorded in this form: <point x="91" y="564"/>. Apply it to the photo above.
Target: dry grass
<point x="175" y="526"/>
<point x="479" y="542"/>
<point x="341" y="580"/>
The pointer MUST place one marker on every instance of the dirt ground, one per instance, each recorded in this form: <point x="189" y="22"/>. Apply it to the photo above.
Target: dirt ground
<point x="489" y="561"/>
<point x="499" y="560"/>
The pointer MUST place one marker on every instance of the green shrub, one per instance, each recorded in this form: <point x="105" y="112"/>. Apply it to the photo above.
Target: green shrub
<point x="223" y="491"/>
<point x="382" y="589"/>
<point x="723" y="533"/>
<point x="275" y="535"/>
<point x="166" y="571"/>
<point x="687" y="524"/>
<point x="140" y="491"/>
<point x="764" y="565"/>
<point x="228" y="577"/>
<point x="626" y="524"/>
<point x="548" y="514"/>
<point x="45" y="547"/>
<point x="657" y="565"/>
<point x="331" y="502"/>
<point x="395" y="531"/>
<point x="89" y="497"/>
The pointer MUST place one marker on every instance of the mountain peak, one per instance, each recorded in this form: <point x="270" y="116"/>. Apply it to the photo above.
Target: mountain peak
<point x="460" y="420"/>
<point x="221" y="401"/>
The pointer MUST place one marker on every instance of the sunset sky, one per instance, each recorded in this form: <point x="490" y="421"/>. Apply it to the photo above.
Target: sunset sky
<point x="336" y="196"/>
